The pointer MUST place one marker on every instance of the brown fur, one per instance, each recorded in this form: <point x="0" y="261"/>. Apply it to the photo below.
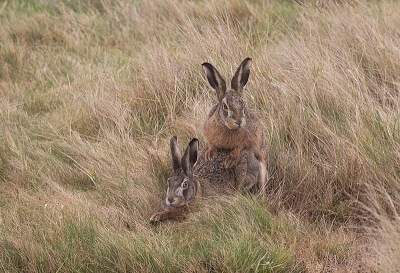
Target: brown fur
<point x="221" y="137"/>
<point x="236" y="128"/>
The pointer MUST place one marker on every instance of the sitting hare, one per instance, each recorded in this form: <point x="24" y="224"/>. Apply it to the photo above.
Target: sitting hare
<point x="196" y="178"/>
<point x="230" y="125"/>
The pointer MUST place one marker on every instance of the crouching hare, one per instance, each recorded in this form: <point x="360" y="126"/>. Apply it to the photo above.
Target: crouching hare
<point x="195" y="178"/>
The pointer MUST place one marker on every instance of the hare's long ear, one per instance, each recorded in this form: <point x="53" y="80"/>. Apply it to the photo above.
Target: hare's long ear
<point x="215" y="80"/>
<point x="176" y="155"/>
<point x="190" y="156"/>
<point x="241" y="76"/>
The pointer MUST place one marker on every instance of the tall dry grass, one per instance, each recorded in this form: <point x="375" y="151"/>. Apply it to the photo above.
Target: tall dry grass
<point x="92" y="91"/>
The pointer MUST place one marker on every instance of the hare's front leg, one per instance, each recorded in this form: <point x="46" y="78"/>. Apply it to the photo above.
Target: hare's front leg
<point x="159" y="216"/>
<point x="210" y="153"/>
<point x="168" y="213"/>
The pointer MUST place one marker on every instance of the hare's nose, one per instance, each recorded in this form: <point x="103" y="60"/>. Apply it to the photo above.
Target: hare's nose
<point x="171" y="200"/>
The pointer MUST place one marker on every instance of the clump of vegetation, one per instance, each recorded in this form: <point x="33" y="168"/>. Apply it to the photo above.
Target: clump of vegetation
<point x="91" y="92"/>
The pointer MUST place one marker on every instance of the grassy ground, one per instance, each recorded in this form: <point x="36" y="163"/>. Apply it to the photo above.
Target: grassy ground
<point x="92" y="91"/>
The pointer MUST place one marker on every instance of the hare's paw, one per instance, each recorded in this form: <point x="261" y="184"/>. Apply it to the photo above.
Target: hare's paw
<point x="157" y="217"/>
<point x="210" y="154"/>
<point x="231" y="161"/>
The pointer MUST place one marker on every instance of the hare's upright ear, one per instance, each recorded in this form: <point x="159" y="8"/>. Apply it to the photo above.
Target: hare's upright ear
<point x="190" y="156"/>
<point x="176" y="155"/>
<point x="215" y="80"/>
<point x="241" y="76"/>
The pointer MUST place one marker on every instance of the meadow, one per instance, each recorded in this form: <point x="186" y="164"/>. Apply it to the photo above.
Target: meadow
<point x="92" y="91"/>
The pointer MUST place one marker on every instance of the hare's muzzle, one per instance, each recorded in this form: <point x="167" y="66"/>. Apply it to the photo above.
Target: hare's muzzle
<point x="240" y="122"/>
<point x="235" y="124"/>
<point x="170" y="200"/>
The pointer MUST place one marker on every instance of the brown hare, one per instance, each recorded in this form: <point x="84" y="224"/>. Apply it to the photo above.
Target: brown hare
<point x="230" y="125"/>
<point x="196" y="178"/>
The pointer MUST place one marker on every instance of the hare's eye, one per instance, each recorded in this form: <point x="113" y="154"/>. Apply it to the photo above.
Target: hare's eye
<point x="184" y="185"/>
<point x="225" y="107"/>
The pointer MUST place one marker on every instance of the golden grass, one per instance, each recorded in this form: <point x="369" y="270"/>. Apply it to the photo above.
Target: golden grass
<point x="91" y="93"/>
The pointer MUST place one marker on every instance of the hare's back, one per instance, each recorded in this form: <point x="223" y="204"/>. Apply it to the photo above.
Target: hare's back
<point x="218" y="178"/>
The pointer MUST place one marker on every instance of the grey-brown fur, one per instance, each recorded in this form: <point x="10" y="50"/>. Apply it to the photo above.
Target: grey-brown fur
<point x="245" y="175"/>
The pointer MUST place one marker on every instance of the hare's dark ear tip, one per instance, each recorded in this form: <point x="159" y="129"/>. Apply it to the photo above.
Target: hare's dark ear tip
<point x="206" y="65"/>
<point x="174" y="139"/>
<point x="193" y="141"/>
<point x="248" y="60"/>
